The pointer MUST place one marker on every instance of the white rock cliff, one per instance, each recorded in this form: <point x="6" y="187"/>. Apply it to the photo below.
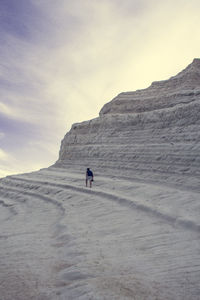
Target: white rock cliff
<point x="153" y="132"/>
<point x="135" y="233"/>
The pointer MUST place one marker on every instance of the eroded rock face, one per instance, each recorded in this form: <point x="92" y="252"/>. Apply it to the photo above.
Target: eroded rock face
<point x="62" y="240"/>
<point x="152" y="132"/>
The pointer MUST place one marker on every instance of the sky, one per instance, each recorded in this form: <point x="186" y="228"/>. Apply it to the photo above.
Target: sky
<point x="61" y="61"/>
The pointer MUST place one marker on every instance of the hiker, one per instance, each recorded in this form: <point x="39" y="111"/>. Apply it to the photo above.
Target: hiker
<point x="89" y="176"/>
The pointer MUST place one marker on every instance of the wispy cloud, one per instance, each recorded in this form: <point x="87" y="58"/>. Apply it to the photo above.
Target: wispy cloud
<point x="61" y="61"/>
<point x="3" y="155"/>
<point x="2" y="135"/>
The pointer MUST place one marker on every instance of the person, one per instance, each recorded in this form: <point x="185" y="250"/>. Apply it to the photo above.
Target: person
<point x="89" y="177"/>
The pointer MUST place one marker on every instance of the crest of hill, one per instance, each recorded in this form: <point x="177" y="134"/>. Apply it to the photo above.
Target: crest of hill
<point x="62" y="240"/>
<point x="160" y="94"/>
<point x="151" y="133"/>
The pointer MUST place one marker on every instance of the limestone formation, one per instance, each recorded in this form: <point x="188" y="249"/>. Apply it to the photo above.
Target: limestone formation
<point x="135" y="233"/>
<point x="151" y="133"/>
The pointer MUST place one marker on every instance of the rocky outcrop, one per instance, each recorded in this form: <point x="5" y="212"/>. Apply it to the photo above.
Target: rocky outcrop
<point x="62" y="240"/>
<point x="151" y="133"/>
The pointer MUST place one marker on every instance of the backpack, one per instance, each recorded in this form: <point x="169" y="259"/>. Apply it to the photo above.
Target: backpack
<point x="89" y="173"/>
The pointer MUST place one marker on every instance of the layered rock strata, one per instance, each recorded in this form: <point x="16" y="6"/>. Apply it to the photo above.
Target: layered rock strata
<point x="128" y="237"/>
<point x="151" y="133"/>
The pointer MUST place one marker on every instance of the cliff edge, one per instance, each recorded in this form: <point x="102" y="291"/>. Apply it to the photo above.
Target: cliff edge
<point x="150" y="133"/>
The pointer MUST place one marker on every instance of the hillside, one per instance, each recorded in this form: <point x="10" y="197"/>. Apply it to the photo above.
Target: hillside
<point x="135" y="234"/>
<point x="152" y="133"/>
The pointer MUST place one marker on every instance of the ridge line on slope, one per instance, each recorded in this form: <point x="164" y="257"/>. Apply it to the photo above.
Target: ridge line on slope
<point x="42" y="197"/>
<point x="126" y="201"/>
<point x="175" y="186"/>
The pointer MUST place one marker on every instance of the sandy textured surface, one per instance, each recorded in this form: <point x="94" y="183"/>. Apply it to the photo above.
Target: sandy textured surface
<point x="122" y="239"/>
<point x="136" y="233"/>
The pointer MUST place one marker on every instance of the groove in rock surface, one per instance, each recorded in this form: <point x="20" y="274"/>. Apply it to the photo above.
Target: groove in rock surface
<point x="135" y="233"/>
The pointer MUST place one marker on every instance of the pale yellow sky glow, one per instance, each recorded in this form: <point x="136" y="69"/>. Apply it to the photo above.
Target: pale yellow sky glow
<point x="88" y="52"/>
